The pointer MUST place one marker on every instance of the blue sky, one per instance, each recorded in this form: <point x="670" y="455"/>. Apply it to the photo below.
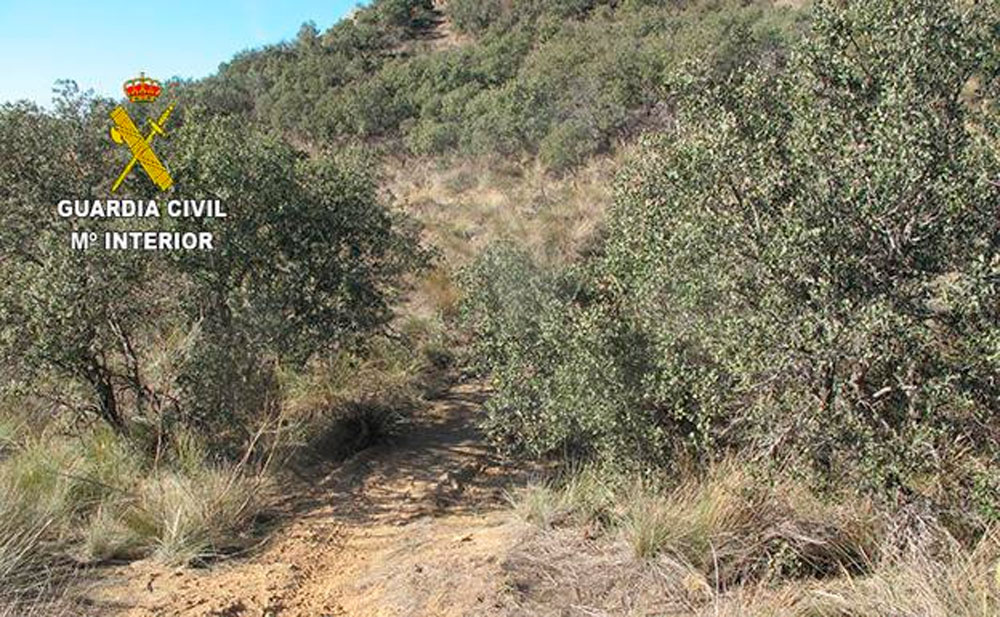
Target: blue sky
<point x="102" y="43"/>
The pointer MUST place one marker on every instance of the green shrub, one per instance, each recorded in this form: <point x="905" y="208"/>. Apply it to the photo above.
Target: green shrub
<point x="401" y="13"/>
<point x="307" y="260"/>
<point x="474" y="15"/>
<point x="806" y="269"/>
<point x="810" y="234"/>
<point x="569" y="371"/>
<point x="535" y="69"/>
<point x="506" y="120"/>
<point x="567" y="145"/>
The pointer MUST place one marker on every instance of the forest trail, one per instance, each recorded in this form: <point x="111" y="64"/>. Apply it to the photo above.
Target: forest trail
<point x="440" y="33"/>
<point x="415" y="527"/>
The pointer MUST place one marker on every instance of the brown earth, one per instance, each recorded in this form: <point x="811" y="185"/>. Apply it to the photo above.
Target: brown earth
<point x="416" y="527"/>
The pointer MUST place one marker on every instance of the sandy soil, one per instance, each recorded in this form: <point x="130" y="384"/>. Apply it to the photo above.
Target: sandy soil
<point x="416" y="527"/>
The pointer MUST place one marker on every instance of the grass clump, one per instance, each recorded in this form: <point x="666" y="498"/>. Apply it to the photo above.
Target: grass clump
<point x="735" y="529"/>
<point x="52" y="479"/>
<point x="31" y="527"/>
<point x="579" y="496"/>
<point x="729" y="544"/>
<point x="21" y="547"/>
<point x="94" y="497"/>
<point x="727" y="525"/>
<point x="955" y="582"/>
<point x="182" y="518"/>
<point x="107" y="536"/>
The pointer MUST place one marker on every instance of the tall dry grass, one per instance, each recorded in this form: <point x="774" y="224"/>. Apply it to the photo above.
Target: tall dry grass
<point x="181" y="518"/>
<point x="466" y="205"/>
<point x="956" y="582"/>
<point x="729" y="525"/>
<point x="29" y="578"/>
<point x="93" y="497"/>
<point x="469" y="204"/>
<point x="727" y="544"/>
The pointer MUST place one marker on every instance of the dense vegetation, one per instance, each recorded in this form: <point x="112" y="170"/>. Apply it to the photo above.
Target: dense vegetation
<point x="307" y="262"/>
<point x="799" y="273"/>
<point x="145" y="392"/>
<point x="804" y="271"/>
<point x="561" y="80"/>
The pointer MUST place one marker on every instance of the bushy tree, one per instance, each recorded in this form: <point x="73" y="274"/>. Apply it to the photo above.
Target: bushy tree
<point x="807" y="267"/>
<point x="54" y="302"/>
<point x="307" y="260"/>
<point x="808" y="233"/>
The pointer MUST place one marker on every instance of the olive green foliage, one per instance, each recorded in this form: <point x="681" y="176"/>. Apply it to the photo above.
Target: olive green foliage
<point x="59" y="310"/>
<point x="558" y="79"/>
<point x="565" y="375"/>
<point x="474" y="16"/>
<point x="805" y="268"/>
<point x="307" y="260"/>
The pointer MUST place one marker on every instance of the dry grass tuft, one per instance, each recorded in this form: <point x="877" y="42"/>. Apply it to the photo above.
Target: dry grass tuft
<point x="29" y="577"/>
<point x="20" y="545"/>
<point x="561" y="571"/>
<point x="959" y="583"/>
<point x="735" y="530"/>
<point x="725" y="545"/>
<point x="93" y="497"/>
<point x="186" y="518"/>
<point x="728" y="525"/>
<point x="582" y="496"/>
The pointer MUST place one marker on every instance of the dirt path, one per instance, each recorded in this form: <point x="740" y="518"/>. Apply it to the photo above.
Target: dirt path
<point x="411" y="528"/>
<point x="440" y="33"/>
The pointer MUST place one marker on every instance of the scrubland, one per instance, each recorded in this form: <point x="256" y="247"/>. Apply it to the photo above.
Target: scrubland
<point x="727" y="270"/>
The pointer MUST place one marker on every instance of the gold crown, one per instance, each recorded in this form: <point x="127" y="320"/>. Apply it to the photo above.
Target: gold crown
<point x="142" y="89"/>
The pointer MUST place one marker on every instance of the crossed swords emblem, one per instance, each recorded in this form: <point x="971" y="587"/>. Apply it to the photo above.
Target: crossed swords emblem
<point x="125" y="131"/>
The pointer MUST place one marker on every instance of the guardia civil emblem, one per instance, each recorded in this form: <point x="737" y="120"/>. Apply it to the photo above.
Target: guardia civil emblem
<point x="144" y="90"/>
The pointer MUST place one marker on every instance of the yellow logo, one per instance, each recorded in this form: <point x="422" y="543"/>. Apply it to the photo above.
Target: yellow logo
<point x="141" y="90"/>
